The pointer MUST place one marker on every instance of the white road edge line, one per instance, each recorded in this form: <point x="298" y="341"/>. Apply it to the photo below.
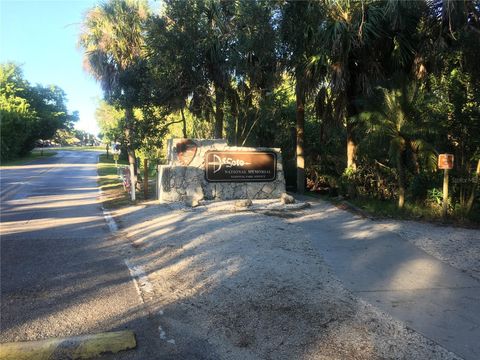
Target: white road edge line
<point x="137" y="273"/>
<point x="134" y="280"/>
<point x="112" y="225"/>
<point x="140" y="276"/>
<point x="110" y="222"/>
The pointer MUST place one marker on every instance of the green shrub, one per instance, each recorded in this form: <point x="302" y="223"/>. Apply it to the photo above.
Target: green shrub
<point x="421" y="184"/>
<point x="435" y="196"/>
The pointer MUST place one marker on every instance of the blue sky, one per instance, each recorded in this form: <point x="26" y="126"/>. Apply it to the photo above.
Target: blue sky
<point x="42" y="36"/>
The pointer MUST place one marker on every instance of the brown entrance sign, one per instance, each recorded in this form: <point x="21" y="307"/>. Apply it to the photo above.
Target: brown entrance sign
<point x="445" y="161"/>
<point x="186" y="151"/>
<point x="240" y="166"/>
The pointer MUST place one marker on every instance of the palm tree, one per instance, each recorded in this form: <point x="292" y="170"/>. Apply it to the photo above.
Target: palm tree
<point x="255" y="67"/>
<point x="217" y="18"/>
<point x="365" y="41"/>
<point x="112" y="39"/>
<point x="193" y="39"/>
<point x="350" y="31"/>
<point x="396" y="117"/>
<point x="171" y="59"/>
<point x="300" y="23"/>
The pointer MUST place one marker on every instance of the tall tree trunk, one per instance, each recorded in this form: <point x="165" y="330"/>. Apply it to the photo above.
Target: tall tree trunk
<point x="351" y="148"/>
<point x="184" y="121"/>
<point x="471" y="199"/>
<point x="129" y="135"/>
<point x="351" y="161"/>
<point x="145" y="178"/>
<point x="235" y="116"/>
<point x="351" y="141"/>
<point x="352" y="111"/>
<point x="233" y="101"/>
<point x="300" y="117"/>
<point x="414" y="151"/>
<point x="219" y="101"/>
<point x="401" y="178"/>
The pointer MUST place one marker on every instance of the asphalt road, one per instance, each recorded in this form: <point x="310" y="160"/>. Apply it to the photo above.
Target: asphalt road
<point x="62" y="273"/>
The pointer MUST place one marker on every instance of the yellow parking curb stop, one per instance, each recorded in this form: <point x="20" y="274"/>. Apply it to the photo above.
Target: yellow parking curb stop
<point x="77" y="347"/>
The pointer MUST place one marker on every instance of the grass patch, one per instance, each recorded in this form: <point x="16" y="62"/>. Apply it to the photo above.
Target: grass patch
<point x="34" y="155"/>
<point x="114" y="195"/>
<point x="416" y="211"/>
<point x="389" y="209"/>
<point x="411" y="211"/>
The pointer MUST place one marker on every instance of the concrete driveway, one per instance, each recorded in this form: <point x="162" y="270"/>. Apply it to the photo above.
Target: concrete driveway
<point x="431" y="297"/>
<point x="61" y="270"/>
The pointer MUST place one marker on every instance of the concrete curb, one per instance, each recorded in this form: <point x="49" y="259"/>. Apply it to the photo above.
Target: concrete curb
<point x="77" y="347"/>
<point x="342" y="205"/>
<point x="357" y="210"/>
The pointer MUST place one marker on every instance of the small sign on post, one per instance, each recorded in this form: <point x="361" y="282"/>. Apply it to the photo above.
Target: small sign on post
<point x="116" y="155"/>
<point x="445" y="162"/>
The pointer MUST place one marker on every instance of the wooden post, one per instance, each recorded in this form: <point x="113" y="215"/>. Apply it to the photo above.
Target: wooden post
<point x="145" y="178"/>
<point x="445" y="162"/>
<point x="132" y="182"/>
<point x="445" y="193"/>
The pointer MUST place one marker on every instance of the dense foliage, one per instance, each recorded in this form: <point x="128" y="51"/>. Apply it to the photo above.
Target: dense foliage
<point x="28" y="113"/>
<point x="360" y="95"/>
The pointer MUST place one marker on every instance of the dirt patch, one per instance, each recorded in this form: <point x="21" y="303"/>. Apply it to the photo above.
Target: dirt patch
<point x="241" y="285"/>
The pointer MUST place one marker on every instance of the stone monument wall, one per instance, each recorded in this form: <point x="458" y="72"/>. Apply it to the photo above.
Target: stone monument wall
<point x="233" y="172"/>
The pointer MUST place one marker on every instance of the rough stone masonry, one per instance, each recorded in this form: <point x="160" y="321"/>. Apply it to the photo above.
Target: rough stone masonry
<point x="200" y="169"/>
